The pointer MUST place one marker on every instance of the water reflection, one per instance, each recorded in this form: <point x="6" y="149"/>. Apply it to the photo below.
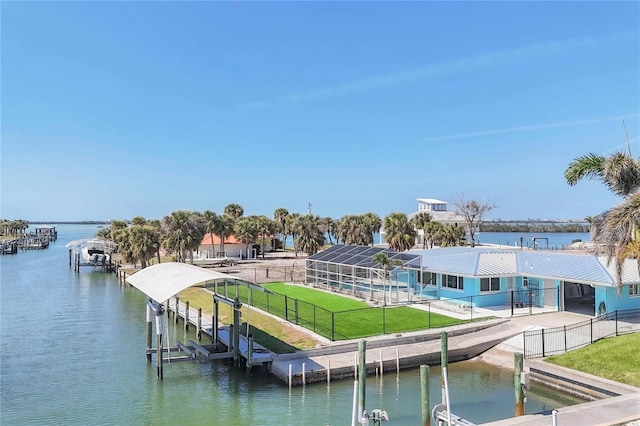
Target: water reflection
<point x="73" y="353"/>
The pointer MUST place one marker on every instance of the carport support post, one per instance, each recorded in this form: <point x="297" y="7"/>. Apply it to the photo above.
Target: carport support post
<point x="517" y="383"/>
<point x="149" y="331"/>
<point x="444" y="361"/>
<point x="214" y="323"/>
<point x="159" y="331"/>
<point x="362" y="376"/>
<point x="236" y="336"/>
<point x="199" y="332"/>
<point x="424" y="392"/>
<point x="186" y="316"/>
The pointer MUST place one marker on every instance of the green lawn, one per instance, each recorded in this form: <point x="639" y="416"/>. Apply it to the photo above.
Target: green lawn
<point x="336" y="317"/>
<point x="615" y="358"/>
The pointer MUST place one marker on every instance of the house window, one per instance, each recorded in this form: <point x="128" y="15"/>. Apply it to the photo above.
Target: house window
<point x="453" y="281"/>
<point x="429" y="278"/>
<point x="634" y="290"/>
<point x="490" y="284"/>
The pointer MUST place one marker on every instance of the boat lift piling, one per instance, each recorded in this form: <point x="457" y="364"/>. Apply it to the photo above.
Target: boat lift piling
<point x="441" y="413"/>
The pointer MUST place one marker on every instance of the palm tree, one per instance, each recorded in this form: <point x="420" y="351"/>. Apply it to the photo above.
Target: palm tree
<point x="246" y="230"/>
<point x="328" y="227"/>
<point x="182" y="233"/>
<point x="224" y="229"/>
<point x="382" y="260"/>
<point x="280" y="216"/>
<point x="138" y="220"/>
<point x="618" y="231"/>
<point x="211" y="225"/>
<point x="292" y="228"/>
<point x="617" y="228"/>
<point x="234" y="210"/>
<point x="371" y="224"/>
<point x="431" y="231"/>
<point x="400" y="233"/>
<point x="619" y="172"/>
<point x="421" y="221"/>
<point x="450" y="235"/>
<point x="266" y="227"/>
<point x="144" y="243"/>
<point x="156" y="225"/>
<point x="311" y="235"/>
<point x="351" y="230"/>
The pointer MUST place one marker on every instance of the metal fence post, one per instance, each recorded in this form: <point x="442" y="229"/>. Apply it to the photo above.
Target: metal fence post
<point x="616" y="323"/>
<point x="565" y="337"/>
<point x="511" y="302"/>
<point x="295" y="305"/>
<point x="591" y="327"/>
<point x="314" y="318"/>
<point x="286" y="307"/>
<point x="333" y="322"/>
<point x="542" y="342"/>
<point x="384" y="325"/>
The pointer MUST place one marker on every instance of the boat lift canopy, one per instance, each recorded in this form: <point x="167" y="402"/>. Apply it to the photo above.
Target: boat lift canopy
<point x="164" y="280"/>
<point x="107" y="245"/>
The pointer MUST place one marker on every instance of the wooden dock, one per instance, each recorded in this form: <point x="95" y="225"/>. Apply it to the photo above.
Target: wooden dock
<point x="252" y="352"/>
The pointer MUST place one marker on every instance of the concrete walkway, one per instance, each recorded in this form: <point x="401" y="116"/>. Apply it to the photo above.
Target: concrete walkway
<point x="393" y="352"/>
<point x="619" y="410"/>
<point x="493" y="341"/>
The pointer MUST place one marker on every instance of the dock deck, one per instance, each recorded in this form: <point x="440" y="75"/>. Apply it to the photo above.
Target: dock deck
<point x="259" y="356"/>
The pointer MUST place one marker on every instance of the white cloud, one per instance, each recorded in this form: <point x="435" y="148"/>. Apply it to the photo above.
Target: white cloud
<point x="433" y="71"/>
<point x="531" y="127"/>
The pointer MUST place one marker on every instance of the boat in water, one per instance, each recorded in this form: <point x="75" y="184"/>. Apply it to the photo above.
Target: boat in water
<point x="93" y="251"/>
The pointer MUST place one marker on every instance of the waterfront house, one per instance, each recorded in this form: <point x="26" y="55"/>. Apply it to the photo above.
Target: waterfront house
<point x="439" y="213"/>
<point x="232" y="248"/>
<point x="483" y="277"/>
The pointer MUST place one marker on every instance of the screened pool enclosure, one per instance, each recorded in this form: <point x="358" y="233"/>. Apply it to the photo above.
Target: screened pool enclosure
<point x="352" y="270"/>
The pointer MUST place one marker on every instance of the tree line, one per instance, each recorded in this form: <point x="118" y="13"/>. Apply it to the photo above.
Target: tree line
<point x="181" y="233"/>
<point x="533" y="227"/>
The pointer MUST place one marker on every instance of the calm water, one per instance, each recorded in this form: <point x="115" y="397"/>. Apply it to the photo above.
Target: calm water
<point x="558" y="240"/>
<point x="73" y="353"/>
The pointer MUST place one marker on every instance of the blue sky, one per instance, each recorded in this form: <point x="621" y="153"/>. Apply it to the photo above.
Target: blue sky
<point x="112" y="110"/>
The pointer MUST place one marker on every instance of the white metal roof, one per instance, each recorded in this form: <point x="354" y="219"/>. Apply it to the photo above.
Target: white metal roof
<point x="430" y="201"/>
<point x="165" y="280"/>
<point x="480" y="262"/>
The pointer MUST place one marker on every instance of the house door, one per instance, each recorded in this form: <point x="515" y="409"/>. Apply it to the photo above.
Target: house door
<point x="550" y="292"/>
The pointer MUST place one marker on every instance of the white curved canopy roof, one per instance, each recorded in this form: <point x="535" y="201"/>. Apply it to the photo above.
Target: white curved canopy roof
<point x="165" y="280"/>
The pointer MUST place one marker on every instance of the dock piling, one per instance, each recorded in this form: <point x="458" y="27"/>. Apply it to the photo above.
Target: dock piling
<point x="517" y="383"/>
<point x="424" y="392"/>
<point x="444" y="362"/>
<point x="362" y="376"/>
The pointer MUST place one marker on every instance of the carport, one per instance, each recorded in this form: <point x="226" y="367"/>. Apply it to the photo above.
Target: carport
<point x="165" y="280"/>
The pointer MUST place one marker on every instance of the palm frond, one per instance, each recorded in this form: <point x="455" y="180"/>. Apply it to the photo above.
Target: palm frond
<point x="587" y="166"/>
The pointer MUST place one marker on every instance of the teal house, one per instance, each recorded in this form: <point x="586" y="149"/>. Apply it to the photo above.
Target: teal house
<point x="480" y="277"/>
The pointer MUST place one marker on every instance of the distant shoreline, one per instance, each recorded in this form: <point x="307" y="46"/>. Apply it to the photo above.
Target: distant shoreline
<point x="80" y="222"/>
